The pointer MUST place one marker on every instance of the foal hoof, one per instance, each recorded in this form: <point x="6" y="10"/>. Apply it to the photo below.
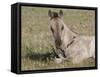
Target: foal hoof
<point x="58" y="60"/>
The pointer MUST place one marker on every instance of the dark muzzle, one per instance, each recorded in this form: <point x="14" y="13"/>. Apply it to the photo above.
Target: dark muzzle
<point x="58" y="43"/>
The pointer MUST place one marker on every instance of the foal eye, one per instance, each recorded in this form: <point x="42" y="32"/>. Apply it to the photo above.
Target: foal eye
<point x="51" y="29"/>
<point x="62" y="27"/>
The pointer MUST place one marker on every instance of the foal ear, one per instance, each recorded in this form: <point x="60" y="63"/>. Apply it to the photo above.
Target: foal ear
<point x="50" y="13"/>
<point x="61" y="13"/>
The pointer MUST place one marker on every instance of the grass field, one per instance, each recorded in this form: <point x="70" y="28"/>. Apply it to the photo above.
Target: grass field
<point x="38" y="43"/>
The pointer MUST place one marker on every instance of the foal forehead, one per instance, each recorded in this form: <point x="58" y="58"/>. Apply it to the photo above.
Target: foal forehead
<point x="56" y="21"/>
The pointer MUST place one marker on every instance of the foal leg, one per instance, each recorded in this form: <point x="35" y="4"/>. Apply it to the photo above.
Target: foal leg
<point x="60" y="58"/>
<point x="60" y="53"/>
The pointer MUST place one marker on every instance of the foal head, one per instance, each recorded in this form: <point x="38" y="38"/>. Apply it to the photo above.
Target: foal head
<point x="56" y="26"/>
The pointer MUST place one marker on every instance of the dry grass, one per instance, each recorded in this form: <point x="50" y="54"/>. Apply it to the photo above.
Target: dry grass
<point x="37" y="41"/>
